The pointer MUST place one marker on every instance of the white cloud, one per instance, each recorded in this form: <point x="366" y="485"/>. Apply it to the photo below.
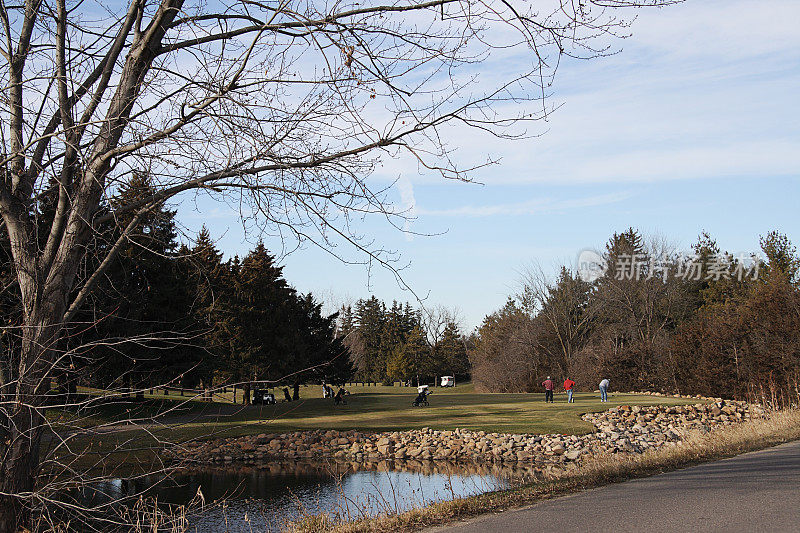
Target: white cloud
<point x="721" y="29"/>
<point x="702" y="90"/>
<point x="408" y="204"/>
<point x="531" y="207"/>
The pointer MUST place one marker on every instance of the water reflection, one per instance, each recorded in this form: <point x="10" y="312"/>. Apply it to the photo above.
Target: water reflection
<point x="263" y="498"/>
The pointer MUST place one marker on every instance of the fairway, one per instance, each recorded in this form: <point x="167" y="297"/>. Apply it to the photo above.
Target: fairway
<point x="368" y="409"/>
<point x="388" y="408"/>
<point x="385" y="408"/>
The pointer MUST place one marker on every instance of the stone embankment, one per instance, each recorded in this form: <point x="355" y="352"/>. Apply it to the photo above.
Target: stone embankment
<point x="624" y="429"/>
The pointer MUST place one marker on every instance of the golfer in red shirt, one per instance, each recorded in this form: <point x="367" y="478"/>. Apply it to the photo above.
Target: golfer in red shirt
<point x="548" y="389"/>
<point x="568" y="386"/>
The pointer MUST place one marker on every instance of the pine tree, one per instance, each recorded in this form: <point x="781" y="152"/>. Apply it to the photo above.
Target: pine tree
<point x="369" y="358"/>
<point x="323" y="351"/>
<point x="140" y="298"/>
<point x="412" y="360"/>
<point x="395" y="331"/>
<point x="450" y="353"/>
<point x="211" y="284"/>
<point x="264" y="321"/>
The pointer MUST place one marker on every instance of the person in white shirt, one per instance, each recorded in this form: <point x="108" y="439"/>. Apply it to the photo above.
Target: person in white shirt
<point x="604" y="390"/>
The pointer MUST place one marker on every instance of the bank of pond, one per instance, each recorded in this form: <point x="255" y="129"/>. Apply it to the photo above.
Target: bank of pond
<point x="266" y="497"/>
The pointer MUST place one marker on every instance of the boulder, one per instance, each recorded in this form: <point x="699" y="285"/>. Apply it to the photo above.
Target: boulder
<point x="572" y="455"/>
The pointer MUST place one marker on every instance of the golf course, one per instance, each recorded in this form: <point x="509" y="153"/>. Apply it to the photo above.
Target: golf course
<point x="369" y="408"/>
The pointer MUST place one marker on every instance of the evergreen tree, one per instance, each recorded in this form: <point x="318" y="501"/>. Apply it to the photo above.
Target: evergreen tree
<point x="264" y="322"/>
<point x="450" y="353"/>
<point x="396" y="329"/>
<point x="782" y="259"/>
<point x="411" y="360"/>
<point x="139" y="300"/>
<point x="369" y="359"/>
<point x="322" y="350"/>
<point x="211" y="311"/>
<point x="345" y="324"/>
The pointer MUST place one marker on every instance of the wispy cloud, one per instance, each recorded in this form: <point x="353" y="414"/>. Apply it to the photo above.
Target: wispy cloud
<point x="531" y="207"/>
<point x="702" y="90"/>
<point x="408" y="203"/>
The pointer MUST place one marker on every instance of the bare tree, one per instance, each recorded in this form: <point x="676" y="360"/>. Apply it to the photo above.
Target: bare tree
<point x="638" y="303"/>
<point x="436" y="319"/>
<point x="562" y="312"/>
<point x="504" y="357"/>
<point x="282" y="109"/>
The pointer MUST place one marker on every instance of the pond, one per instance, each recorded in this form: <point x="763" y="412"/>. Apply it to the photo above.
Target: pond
<point x="263" y="498"/>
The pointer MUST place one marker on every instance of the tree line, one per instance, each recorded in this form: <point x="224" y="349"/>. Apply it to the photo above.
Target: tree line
<point x="400" y="343"/>
<point x="707" y="322"/>
<point x="178" y="314"/>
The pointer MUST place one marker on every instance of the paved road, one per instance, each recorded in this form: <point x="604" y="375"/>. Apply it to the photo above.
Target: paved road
<point x="757" y="491"/>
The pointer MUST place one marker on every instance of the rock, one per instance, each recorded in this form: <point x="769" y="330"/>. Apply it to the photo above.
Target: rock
<point x="385" y="449"/>
<point x="624" y="429"/>
<point x="572" y="455"/>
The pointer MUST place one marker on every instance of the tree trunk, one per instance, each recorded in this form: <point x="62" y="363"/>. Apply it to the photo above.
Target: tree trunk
<point x="20" y="466"/>
<point x="246" y="393"/>
<point x="21" y="425"/>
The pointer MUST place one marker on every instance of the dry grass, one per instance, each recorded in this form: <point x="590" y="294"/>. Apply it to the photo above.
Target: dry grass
<point x="780" y="427"/>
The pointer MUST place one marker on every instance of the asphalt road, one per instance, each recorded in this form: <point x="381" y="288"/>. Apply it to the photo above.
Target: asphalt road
<point x="757" y="491"/>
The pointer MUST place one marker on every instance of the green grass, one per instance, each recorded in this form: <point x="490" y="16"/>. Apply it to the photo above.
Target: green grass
<point x="389" y="408"/>
<point x="375" y="408"/>
<point x="114" y="444"/>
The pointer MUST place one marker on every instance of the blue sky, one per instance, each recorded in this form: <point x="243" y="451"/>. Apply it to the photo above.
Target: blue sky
<point x="694" y="126"/>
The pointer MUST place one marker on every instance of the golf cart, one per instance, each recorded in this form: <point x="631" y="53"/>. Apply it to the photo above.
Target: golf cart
<point x="263" y="397"/>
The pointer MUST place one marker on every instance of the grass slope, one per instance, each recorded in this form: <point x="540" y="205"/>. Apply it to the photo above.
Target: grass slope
<point x="376" y="408"/>
<point x="389" y="409"/>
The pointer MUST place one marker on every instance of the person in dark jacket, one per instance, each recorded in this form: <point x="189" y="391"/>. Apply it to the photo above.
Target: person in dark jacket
<point x="339" y="398"/>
